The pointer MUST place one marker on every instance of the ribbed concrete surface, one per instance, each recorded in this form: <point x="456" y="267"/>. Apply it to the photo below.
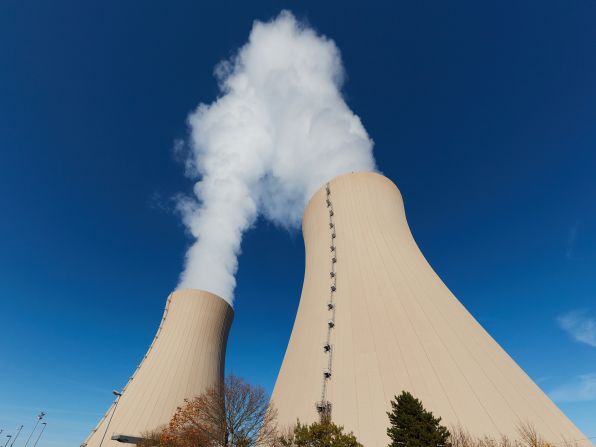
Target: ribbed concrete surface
<point x="185" y="358"/>
<point x="397" y="327"/>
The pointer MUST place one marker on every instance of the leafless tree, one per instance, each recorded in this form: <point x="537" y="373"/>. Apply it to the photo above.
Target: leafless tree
<point x="236" y="414"/>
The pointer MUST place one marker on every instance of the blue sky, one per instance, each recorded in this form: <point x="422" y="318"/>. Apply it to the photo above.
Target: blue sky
<point x="482" y="113"/>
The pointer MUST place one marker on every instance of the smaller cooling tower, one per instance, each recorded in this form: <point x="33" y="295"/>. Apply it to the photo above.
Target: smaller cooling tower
<point x="185" y="358"/>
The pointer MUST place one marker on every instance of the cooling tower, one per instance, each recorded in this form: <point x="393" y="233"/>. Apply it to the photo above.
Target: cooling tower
<point x="185" y="358"/>
<point x="374" y="319"/>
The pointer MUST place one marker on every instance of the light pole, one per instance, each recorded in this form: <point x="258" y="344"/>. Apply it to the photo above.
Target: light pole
<point x="8" y="440"/>
<point x="117" y="394"/>
<point x="16" y="436"/>
<point x="39" y="418"/>
<point x="40" y="433"/>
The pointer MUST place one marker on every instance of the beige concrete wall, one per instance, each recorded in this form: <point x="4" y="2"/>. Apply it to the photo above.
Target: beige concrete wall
<point x="185" y="358"/>
<point x="397" y="327"/>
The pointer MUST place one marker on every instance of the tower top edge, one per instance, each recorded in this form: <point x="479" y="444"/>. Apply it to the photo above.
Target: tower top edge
<point x="199" y="294"/>
<point x="357" y="176"/>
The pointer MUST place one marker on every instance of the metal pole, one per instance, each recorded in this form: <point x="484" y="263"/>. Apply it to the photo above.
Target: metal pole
<point x="117" y="394"/>
<point x="39" y="418"/>
<point x="8" y="436"/>
<point x="16" y="436"/>
<point x="40" y="433"/>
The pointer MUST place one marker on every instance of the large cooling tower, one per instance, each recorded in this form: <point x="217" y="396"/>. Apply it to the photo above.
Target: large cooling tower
<point x="374" y="319"/>
<point x="185" y="358"/>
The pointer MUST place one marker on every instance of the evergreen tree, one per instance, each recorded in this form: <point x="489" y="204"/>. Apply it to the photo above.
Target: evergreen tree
<point x="413" y="426"/>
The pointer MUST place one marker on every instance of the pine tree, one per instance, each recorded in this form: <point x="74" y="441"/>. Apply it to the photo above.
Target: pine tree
<point x="413" y="426"/>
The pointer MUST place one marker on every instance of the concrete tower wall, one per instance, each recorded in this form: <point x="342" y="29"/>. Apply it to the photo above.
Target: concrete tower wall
<point x="185" y="358"/>
<point x="396" y="327"/>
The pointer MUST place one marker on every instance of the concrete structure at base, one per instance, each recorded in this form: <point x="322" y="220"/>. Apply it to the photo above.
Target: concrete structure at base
<point x="374" y="319"/>
<point x="185" y="358"/>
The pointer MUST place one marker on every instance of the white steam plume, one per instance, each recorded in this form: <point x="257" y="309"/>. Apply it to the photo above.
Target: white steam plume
<point x="278" y="132"/>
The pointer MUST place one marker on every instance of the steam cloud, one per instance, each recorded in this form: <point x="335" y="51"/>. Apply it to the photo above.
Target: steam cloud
<point x="279" y="130"/>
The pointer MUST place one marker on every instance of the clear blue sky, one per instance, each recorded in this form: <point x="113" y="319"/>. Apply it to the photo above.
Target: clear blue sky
<point x="483" y="113"/>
